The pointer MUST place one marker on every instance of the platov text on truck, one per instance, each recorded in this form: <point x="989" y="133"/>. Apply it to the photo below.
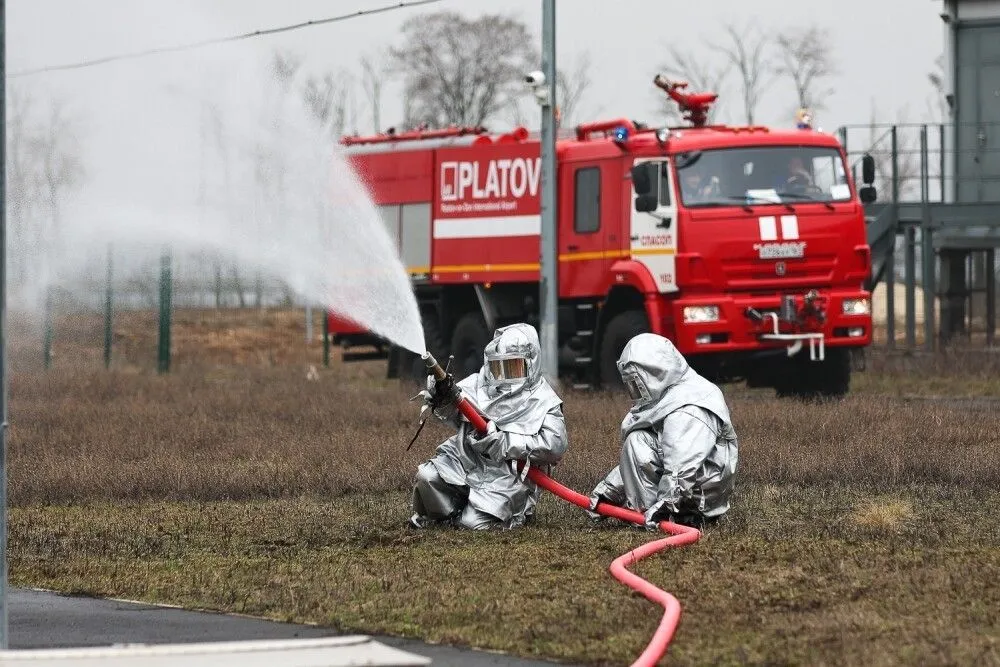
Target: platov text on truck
<point x="746" y="246"/>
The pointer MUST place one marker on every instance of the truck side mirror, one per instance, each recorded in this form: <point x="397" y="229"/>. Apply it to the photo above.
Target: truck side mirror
<point x="867" y="194"/>
<point x="641" y="180"/>
<point x="868" y="169"/>
<point x="646" y="203"/>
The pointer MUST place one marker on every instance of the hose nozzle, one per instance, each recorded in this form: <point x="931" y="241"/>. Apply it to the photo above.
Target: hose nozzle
<point x="433" y="367"/>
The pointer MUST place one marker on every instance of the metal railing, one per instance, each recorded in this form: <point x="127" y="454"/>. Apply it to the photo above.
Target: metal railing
<point x="922" y="170"/>
<point x="921" y="161"/>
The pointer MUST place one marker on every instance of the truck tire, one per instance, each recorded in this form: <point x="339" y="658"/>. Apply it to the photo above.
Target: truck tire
<point x="791" y="381"/>
<point x="815" y="380"/>
<point x="834" y="378"/>
<point x="414" y="368"/>
<point x="622" y="328"/>
<point x="467" y="344"/>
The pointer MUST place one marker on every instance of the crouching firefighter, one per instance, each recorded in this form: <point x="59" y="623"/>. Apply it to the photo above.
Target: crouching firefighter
<point x="679" y="448"/>
<point x="473" y="480"/>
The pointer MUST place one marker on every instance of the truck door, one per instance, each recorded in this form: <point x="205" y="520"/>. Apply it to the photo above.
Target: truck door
<point x="585" y="210"/>
<point x="653" y="232"/>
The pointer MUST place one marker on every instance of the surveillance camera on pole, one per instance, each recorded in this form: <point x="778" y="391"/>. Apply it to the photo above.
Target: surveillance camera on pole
<point x="537" y="83"/>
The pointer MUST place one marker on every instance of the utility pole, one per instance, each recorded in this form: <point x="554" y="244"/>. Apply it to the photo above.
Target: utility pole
<point x="549" y="273"/>
<point x="166" y="313"/>
<point x="109" y="297"/>
<point x="3" y="330"/>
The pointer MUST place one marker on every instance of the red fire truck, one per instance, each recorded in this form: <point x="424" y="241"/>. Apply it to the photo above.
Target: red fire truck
<point x="746" y="246"/>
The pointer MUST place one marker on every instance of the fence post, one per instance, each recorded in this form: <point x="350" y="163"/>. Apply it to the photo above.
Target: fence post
<point x="163" y="356"/>
<point x="108" y="305"/>
<point x="991" y="297"/>
<point x="910" y="263"/>
<point x="326" y="338"/>
<point x="927" y="256"/>
<point x="49" y="333"/>
<point x="941" y="165"/>
<point x="894" y="139"/>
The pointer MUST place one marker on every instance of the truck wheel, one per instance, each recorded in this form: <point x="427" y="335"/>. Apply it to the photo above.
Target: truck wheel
<point x="834" y="378"/>
<point x="814" y="380"/>
<point x="467" y="344"/>
<point x="791" y="381"/>
<point x="622" y="328"/>
<point x="434" y="340"/>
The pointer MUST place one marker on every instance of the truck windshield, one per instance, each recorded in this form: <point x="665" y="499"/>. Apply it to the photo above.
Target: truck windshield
<point x="764" y="174"/>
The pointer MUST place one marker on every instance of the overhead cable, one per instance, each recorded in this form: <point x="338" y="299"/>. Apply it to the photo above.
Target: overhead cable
<point x="219" y="40"/>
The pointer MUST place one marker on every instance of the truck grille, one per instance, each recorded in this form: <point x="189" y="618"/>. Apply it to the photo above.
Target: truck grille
<point x="758" y="274"/>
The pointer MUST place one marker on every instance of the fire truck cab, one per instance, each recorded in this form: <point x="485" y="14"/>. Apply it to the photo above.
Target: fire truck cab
<point x="746" y="246"/>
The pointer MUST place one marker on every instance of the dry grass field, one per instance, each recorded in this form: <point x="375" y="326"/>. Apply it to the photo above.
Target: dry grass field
<point x="865" y="531"/>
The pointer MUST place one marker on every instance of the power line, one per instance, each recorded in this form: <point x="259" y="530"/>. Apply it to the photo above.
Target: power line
<point x="218" y="40"/>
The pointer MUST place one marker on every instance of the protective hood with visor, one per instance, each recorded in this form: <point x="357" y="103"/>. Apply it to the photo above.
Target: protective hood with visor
<point x="659" y="381"/>
<point x="512" y="358"/>
<point x="509" y="387"/>
<point x="508" y="370"/>
<point x="635" y="386"/>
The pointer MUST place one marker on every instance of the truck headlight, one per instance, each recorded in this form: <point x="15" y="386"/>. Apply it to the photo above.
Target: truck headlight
<point x="856" y="307"/>
<point x="701" y="314"/>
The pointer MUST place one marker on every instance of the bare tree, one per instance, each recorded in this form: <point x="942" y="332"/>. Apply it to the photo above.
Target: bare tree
<point x="58" y="153"/>
<point x="328" y="97"/>
<point x="701" y="74"/>
<point x="22" y="182"/>
<point x="571" y="86"/>
<point x="284" y="66"/>
<point x="461" y="71"/>
<point x="746" y="51"/>
<point x="805" y="56"/>
<point x="937" y="105"/>
<point x="907" y="167"/>
<point x="374" y="70"/>
<point x="44" y="167"/>
<point x="213" y="127"/>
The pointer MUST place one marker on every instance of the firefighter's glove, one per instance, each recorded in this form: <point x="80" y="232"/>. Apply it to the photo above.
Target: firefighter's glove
<point x="656" y="514"/>
<point x="426" y="394"/>
<point x="440" y="393"/>
<point x="433" y="396"/>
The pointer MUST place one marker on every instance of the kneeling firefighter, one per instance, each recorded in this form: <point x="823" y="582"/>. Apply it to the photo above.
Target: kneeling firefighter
<point x="679" y="448"/>
<point x="473" y="481"/>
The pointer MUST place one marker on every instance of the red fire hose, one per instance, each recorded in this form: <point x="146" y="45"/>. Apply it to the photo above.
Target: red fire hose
<point x="679" y="535"/>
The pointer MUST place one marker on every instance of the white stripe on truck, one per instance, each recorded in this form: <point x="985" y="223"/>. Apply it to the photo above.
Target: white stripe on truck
<point x="478" y="228"/>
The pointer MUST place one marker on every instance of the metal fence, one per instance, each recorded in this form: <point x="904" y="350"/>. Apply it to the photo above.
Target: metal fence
<point x="117" y="283"/>
<point x="922" y="162"/>
<point x="936" y="224"/>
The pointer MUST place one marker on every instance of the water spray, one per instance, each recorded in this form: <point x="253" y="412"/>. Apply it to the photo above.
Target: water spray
<point x="447" y="392"/>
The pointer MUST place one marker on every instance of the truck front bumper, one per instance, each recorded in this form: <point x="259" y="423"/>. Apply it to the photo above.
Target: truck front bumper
<point x="736" y="331"/>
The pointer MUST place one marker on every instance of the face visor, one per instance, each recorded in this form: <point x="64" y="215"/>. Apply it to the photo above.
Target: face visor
<point x="636" y="388"/>
<point x="508" y="370"/>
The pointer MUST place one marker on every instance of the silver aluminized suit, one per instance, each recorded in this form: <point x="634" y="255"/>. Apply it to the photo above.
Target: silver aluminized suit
<point x="471" y="481"/>
<point x="679" y="448"/>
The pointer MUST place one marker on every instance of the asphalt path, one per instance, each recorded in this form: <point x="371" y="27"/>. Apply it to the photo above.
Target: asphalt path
<point x="42" y="619"/>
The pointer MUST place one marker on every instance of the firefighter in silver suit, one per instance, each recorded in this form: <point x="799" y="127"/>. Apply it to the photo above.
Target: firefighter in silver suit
<point x="679" y="448"/>
<point x="473" y="481"/>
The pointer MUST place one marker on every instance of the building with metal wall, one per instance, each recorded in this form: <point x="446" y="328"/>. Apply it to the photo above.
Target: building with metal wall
<point x="972" y="68"/>
<point x="936" y="225"/>
<point x="972" y="88"/>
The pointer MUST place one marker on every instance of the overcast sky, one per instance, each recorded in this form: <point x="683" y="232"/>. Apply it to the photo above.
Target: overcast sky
<point x="884" y="48"/>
